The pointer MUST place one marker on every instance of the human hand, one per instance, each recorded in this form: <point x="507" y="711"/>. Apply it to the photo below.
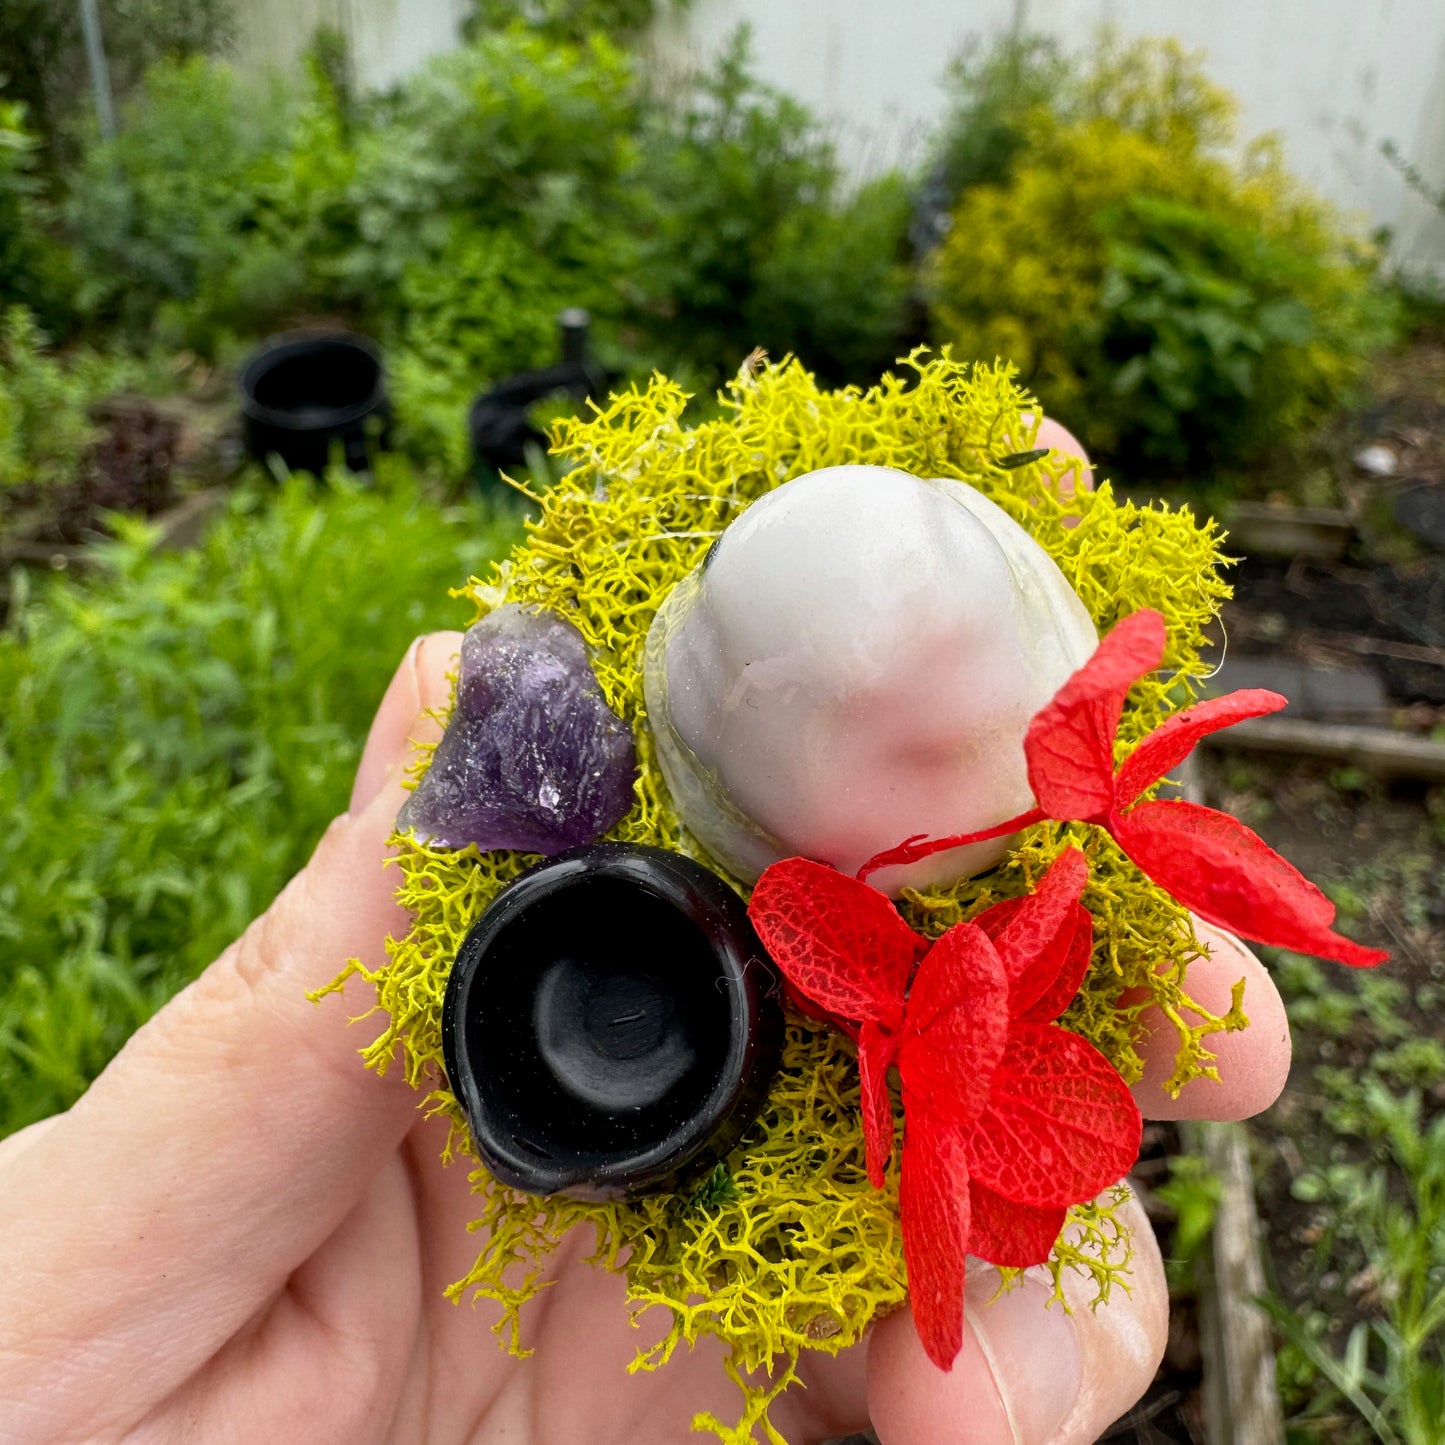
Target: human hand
<point x="238" y="1234"/>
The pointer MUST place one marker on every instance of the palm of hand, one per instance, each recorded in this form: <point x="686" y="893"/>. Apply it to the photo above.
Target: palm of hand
<point x="358" y="1342"/>
<point x="238" y="1234"/>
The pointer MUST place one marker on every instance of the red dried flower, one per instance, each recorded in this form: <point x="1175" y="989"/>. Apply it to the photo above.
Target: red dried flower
<point x="1209" y="861"/>
<point x="1008" y="1119"/>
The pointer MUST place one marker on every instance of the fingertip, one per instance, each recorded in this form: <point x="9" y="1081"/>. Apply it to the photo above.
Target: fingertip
<point x="419" y="686"/>
<point x="1030" y="1372"/>
<point x="1252" y="1063"/>
<point x="912" y="1402"/>
<point x="1060" y="439"/>
<point x="1122" y="1340"/>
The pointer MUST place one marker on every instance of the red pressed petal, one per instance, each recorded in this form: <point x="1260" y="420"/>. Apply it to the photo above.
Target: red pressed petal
<point x="1060" y="1125"/>
<point x="1230" y="876"/>
<point x="933" y="1203"/>
<point x="1035" y="936"/>
<point x="1173" y="740"/>
<point x="1006" y="1233"/>
<point x="1070" y="742"/>
<point x="840" y="943"/>
<point x="876" y="1052"/>
<point x="995" y="918"/>
<point x="956" y="1026"/>
<point x="1059" y="994"/>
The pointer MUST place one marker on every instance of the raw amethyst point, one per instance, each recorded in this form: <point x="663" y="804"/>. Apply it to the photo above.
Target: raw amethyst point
<point x="533" y="758"/>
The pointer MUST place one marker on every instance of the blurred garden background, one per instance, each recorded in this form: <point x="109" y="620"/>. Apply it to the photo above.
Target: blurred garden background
<point x="192" y="642"/>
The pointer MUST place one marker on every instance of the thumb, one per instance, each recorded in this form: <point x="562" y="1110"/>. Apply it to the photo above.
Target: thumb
<point x="234" y="1131"/>
<point x="1029" y="1372"/>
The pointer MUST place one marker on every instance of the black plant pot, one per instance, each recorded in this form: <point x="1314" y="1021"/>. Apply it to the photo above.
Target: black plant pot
<point x="611" y="1024"/>
<point x="304" y="392"/>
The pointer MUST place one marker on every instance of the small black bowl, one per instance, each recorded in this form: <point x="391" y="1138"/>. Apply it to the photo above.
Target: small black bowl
<point x="611" y="1024"/>
<point x="303" y="392"/>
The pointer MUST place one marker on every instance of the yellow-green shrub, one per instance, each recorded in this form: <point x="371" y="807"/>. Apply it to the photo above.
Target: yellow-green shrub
<point x="1181" y="306"/>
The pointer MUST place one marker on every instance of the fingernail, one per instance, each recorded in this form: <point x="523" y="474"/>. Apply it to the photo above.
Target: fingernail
<point x="388" y="751"/>
<point x="1032" y="1351"/>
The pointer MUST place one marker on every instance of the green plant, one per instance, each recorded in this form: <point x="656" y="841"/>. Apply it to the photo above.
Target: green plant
<point x="1192" y="1191"/>
<point x="733" y="177"/>
<point x="514" y="131"/>
<point x="293" y="219"/>
<point x="1375" y="1176"/>
<point x="42" y="50"/>
<point x="178" y="729"/>
<point x="531" y="144"/>
<point x="455" y="218"/>
<point x="33" y="270"/>
<point x="993" y="89"/>
<point x="574" y="19"/>
<point x="159" y="214"/>
<point x="834" y="285"/>
<point x="1392" y="1368"/>
<point x="45" y="403"/>
<point x="485" y="307"/>
<point x="1189" y="309"/>
<point x="1213" y="339"/>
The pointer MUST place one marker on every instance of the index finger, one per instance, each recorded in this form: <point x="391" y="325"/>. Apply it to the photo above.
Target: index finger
<point x="232" y="1134"/>
<point x="1252" y="1063"/>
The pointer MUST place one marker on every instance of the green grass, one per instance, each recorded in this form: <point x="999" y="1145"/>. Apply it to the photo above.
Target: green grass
<point x="1364" y="1358"/>
<point x="176" y="730"/>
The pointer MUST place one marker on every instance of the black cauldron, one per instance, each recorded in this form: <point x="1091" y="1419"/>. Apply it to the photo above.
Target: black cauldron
<point x="611" y="1024"/>
<point x="303" y="392"/>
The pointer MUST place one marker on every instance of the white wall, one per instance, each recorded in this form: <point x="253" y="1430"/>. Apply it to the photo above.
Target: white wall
<point x="275" y="32"/>
<point x="1334" y="77"/>
<point x="391" y="38"/>
<point x="387" y="39"/>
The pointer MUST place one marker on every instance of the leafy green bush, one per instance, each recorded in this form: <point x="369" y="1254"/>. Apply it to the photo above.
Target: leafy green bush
<point x="33" y="270"/>
<point x="178" y="729"/>
<point x="531" y="145"/>
<point x="45" y="403"/>
<point x="484" y="307"/>
<point x="455" y="218"/>
<point x="42" y="52"/>
<point x="1186" y="309"/>
<point x="730" y="174"/>
<point x="834" y="285"/>
<point x="992" y="92"/>
<point x="573" y="19"/>
<point x="1213" y="340"/>
<point x="512" y="131"/>
<point x="158" y="215"/>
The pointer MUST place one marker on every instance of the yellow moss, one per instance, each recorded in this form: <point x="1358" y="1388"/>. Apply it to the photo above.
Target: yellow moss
<point x="790" y="1248"/>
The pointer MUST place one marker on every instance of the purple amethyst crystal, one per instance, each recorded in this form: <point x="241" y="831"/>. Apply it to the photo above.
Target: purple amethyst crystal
<point x="533" y="758"/>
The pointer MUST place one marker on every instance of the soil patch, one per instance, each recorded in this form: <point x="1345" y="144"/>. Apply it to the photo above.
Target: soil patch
<point x="145" y="456"/>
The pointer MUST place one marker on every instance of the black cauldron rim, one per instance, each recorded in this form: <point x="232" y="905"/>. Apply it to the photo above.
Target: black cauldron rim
<point x="282" y="347"/>
<point x="755" y="1022"/>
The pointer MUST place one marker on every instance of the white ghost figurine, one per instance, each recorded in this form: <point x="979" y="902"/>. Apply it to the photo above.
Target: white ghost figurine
<point x="856" y="662"/>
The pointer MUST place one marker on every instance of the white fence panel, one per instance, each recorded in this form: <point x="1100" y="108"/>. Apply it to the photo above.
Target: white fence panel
<point x="1334" y="77"/>
<point x="386" y="39"/>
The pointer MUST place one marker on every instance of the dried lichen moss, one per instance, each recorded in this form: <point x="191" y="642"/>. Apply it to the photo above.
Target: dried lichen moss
<point x="792" y="1249"/>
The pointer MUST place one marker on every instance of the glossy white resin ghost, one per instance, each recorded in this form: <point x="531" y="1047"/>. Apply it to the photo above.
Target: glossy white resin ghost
<point x="856" y="662"/>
